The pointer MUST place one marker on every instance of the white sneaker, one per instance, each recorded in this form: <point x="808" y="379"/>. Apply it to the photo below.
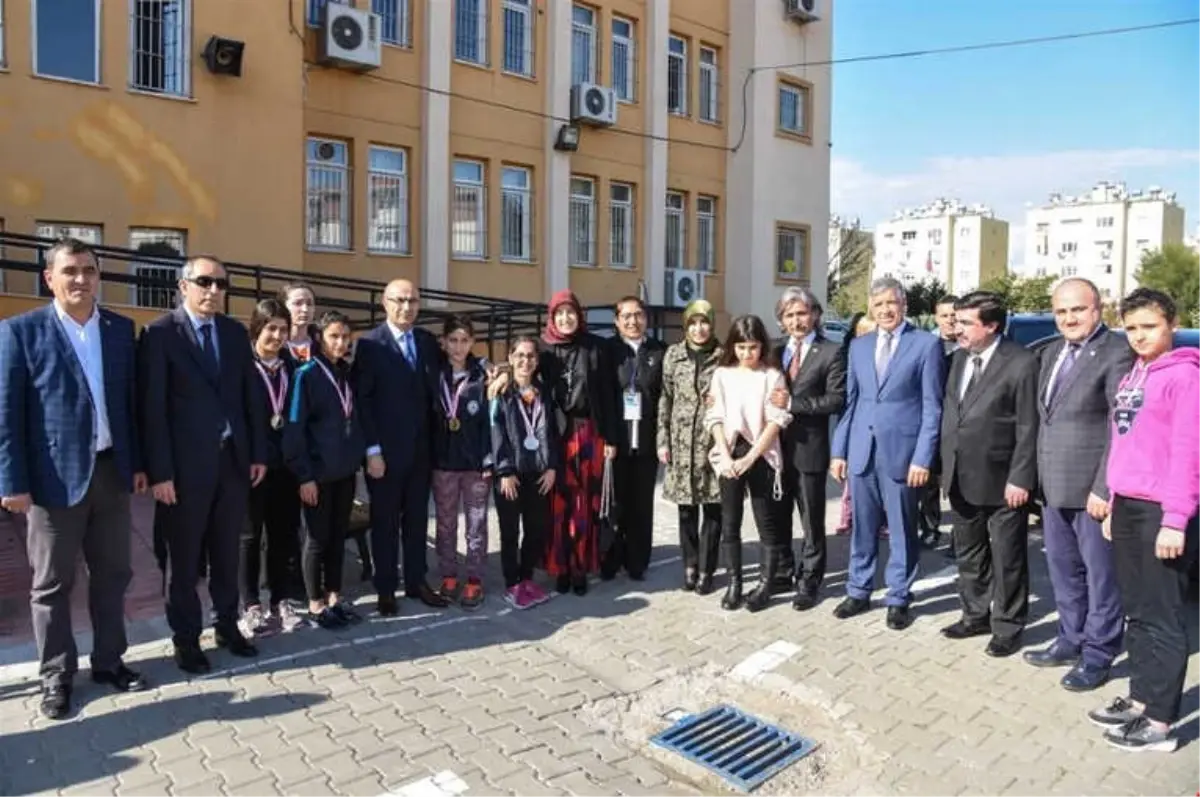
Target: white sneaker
<point x="290" y="619"/>
<point x="253" y="622"/>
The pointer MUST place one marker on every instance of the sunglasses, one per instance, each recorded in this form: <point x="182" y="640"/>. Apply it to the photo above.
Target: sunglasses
<point x="206" y="282"/>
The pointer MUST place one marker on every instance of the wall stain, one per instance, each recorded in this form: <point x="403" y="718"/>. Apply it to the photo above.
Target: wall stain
<point x="24" y="193"/>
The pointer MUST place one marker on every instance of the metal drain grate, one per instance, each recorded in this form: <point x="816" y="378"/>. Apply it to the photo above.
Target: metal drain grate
<point x="741" y="749"/>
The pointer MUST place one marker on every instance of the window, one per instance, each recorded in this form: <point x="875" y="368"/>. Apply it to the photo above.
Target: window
<point x="518" y="37"/>
<point x="794" y="109"/>
<point x="66" y="39"/>
<point x="316" y="10"/>
<point x="156" y="286"/>
<point x="159" y="37"/>
<point x="706" y="233"/>
<point x="908" y="235"/>
<point x="395" y="21"/>
<point x="1070" y="271"/>
<point x="516" y="214"/>
<point x="620" y="225"/>
<point x="624" y="59"/>
<point x="2" y="63"/>
<point x="708" y="84"/>
<point x="583" y="45"/>
<point x="387" y="200"/>
<point x="470" y="31"/>
<point x="91" y="234"/>
<point x="1104" y="221"/>
<point x="675" y="241"/>
<point x="791" y="253"/>
<point x="935" y="236"/>
<point x="582" y="220"/>
<point x="1067" y="247"/>
<point x="327" y="222"/>
<point x="468" y="214"/>
<point x="677" y="76"/>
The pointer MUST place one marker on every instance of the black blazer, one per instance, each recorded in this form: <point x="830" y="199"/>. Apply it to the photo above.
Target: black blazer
<point x="818" y="393"/>
<point x="470" y="447"/>
<point x="601" y="391"/>
<point x="318" y="444"/>
<point x="185" y="404"/>
<point x="989" y="439"/>
<point x="509" y="433"/>
<point x="649" y="385"/>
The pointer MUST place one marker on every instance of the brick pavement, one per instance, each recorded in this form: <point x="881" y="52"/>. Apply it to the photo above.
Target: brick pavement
<point x="561" y="700"/>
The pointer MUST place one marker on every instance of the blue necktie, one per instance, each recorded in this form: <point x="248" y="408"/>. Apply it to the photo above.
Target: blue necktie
<point x="206" y="345"/>
<point x="406" y="346"/>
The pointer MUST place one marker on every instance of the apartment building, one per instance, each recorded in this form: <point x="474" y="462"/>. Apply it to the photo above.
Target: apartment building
<point x="959" y="245"/>
<point x="1101" y="234"/>
<point x="501" y="147"/>
<point x="847" y="240"/>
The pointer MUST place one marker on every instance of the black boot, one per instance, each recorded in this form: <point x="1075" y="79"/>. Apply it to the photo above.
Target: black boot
<point x="690" y="578"/>
<point x="760" y="596"/>
<point x="705" y="585"/>
<point x="733" y="592"/>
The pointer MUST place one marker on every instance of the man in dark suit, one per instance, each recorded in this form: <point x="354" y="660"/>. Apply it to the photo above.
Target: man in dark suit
<point x="637" y="361"/>
<point x="205" y="446"/>
<point x="1076" y="388"/>
<point x="816" y="391"/>
<point x="396" y="374"/>
<point x="930" y="517"/>
<point x="68" y="460"/>
<point x="989" y="469"/>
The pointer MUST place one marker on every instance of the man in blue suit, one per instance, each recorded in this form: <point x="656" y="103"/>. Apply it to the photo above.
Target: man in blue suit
<point x="887" y="440"/>
<point x="69" y="459"/>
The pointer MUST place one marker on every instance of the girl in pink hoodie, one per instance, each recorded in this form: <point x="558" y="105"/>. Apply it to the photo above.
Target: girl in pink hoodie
<point x="1154" y="479"/>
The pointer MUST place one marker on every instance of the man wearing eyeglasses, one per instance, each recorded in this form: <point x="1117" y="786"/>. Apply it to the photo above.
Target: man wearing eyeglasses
<point x="204" y="448"/>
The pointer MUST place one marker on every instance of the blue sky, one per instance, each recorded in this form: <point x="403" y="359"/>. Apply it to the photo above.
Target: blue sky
<point x="1006" y="127"/>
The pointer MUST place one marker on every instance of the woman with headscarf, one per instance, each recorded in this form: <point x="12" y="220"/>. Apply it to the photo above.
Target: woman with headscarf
<point x="684" y="444"/>
<point x="574" y="368"/>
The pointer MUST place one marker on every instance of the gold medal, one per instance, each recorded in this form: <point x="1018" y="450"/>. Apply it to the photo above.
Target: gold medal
<point x="277" y="422"/>
<point x="454" y="424"/>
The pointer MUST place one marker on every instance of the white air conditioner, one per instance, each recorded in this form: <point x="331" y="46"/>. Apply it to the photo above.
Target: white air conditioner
<point x="684" y="285"/>
<point x="593" y="104"/>
<point x="802" y="11"/>
<point x="350" y="37"/>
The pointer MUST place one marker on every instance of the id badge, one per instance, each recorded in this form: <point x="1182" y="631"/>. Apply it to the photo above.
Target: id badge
<point x="633" y="406"/>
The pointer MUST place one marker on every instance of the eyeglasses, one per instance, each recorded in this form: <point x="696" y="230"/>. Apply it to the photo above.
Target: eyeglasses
<point x="206" y="282"/>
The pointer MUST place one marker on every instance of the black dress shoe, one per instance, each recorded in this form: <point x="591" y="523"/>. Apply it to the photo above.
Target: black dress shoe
<point x="191" y="659"/>
<point x="122" y="679"/>
<point x="705" y="585"/>
<point x="562" y="584"/>
<point x="999" y="647"/>
<point x="804" y="599"/>
<point x="1085" y="677"/>
<point x="429" y="596"/>
<point x="690" y="579"/>
<point x="899" y="617"/>
<point x="965" y="629"/>
<point x="849" y="607"/>
<point x="579" y="585"/>
<point x="1055" y="655"/>
<point x="636" y="575"/>
<point x="387" y="606"/>
<point x="56" y="701"/>
<point x="608" y="573"/>
<point x="235" y="643"/>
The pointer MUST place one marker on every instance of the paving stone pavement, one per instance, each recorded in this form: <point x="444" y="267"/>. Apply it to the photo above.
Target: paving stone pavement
<point x="563" y="698"/>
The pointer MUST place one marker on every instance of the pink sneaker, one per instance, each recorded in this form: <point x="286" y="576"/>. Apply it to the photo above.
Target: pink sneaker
<point x="512" y="596"/>
<point x="535" y="593"/>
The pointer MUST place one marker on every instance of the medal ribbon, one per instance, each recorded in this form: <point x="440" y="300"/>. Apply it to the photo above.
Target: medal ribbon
<point x="346" y="397"/>
<point x="532" y="417"/>
<point x="451" y="404"/>
<point x="276" y="399"/>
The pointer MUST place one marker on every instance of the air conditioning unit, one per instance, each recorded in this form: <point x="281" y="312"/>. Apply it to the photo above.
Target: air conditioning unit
<point x="593" y="104"/>
<point x="683" y="286"/>
<point x="801" y="11"/>
<point x="350" y="37"/>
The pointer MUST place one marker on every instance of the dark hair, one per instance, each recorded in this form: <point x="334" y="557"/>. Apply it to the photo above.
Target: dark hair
<point x="68" y="246"/>
<point x="1148" y="298"/>
<point x="288" y="287"/>
<point x="852" y="329"/>
<point x="332" y="317"/>
<point x="949" y="298"/>
<point x="266" y="311"/>
<point x="630" y="298"/>
<point x="991" y="307"/>
<point x="747" y="329"/>
<point x="456" y="322"/>
<point x="517" y="341"/>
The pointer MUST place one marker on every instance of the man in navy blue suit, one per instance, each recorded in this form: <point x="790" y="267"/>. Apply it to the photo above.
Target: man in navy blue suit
<point x="887" y="439"/>
<point x="69" y="459"/>
<point x="396" y="375"/>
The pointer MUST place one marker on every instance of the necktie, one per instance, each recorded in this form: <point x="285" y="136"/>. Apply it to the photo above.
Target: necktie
<point x="206" y="345"/>
<point x="406" y="346"/>
<point x="1067" y="364"/>
<point x="883" y="356"/>
<point x="794" y="365"/>
<point x="976" y="368"/>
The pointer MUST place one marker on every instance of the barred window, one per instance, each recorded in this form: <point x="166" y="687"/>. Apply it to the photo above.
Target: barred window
<point x="793" y="102"/>
<point x="706" y="233"/>
<point x="156" y="286"/>
<point x="518" y="37"/>
<point x="583" y="45"/>
<point x="675" y="229"/>
<point x="395" y="21"/>
<point x="677" y="76"/>
<point x="327" y="220"/>
<point x="67" y="39"/>
<point x="583" y="221"/>
<point x="316" y="10"/>
<point x="791" y="253"/>
<point x="624" y="59"/>
<point x="470" y="31"/>
<point x="620" y="219"/>
<point x="159" y="38"/>
<point x="468" y="222"/>
<point x="516" y="214"/>
<point x="709" y="91"/>
<point x="387" y="200"/>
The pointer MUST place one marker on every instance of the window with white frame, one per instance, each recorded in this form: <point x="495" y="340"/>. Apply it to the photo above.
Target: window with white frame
<point x="675" y="229"/>
<point x="620" y="222"/>
<point x="677" y="76"/>
<point x="706" y="233"/>
<point x="582" y="221"/>
<point x="159" y="40"/>
<point x="709" y="84"/>
<point x="791" y="253"/>
<point x="156" y="285"/>
<point x="91" y="234"/>
<point x="468" y="211"/>
<point x="66" y="39"/>
<point x="327" y="215"/>
<point x="471" y="31"/>
<point x="387" y="200"/>
<point x="624" y="59"/>
<point x="395" y="21"/>
<point x="793" y="109"/>
<point x="516" y="214"/>
<point x="583" y="45"/>
<point x="518" y="37"/>
<point x="315" y="10"/>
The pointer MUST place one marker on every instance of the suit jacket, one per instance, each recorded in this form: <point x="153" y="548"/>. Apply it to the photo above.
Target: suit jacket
<point x="894" y="422"/>
<point x="649" y="362"/>
<point x="818" y="392"/>
<point x="185" y="404"/>
<point x="989" y="438"/>
<point x="396" y="399"/>
<point x="47" y="421"/>
<point x="1073" y="438"/>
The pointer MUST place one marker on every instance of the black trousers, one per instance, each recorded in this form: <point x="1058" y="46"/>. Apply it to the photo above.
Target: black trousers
<point x="274" y="527"/>
<point x="634" y="480"/>
<point x="760" y="482"/>
<point x="930" y="517"/>
<point x="807" y="490"/>
<point x="700" y="542"/>
<point x="400" y="503"/>
<point x="325" y="537"/>
<point x="991" y="545"/>
<point x="1153" y="596"/>
<point x="529" y="512"/>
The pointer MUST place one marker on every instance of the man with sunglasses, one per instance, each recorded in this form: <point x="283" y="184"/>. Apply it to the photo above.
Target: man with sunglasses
<point x="204" y="448"/>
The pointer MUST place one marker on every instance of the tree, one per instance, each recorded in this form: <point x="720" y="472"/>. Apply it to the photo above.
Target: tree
<point x="1174" y="270"/>
<point x="1022" y="295"/>
<point x="850" y="275"/>
<point x="922" y="297"/>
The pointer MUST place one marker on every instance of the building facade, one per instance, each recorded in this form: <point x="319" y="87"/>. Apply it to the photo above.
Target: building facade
<point x="1100" y="235"/>
<point x="440" y="142"/>
<point x="961" y="246"/>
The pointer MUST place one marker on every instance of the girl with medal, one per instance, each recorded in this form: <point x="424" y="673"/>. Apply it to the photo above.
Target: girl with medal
<point x="525" y="448"/>
<point x="274" y="503"/>
<point x="462" y="461"/>
<point x="324" y="445"/>
<point x="301" y="304"/>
